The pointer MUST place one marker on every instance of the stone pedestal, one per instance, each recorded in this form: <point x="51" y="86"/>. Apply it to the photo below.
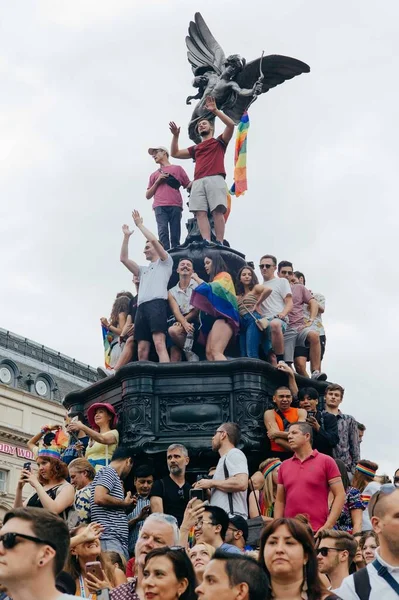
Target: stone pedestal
<point x="159" y="404"/>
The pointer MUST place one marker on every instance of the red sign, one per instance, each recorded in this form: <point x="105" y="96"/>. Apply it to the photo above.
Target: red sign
<point x="15" y="450"/>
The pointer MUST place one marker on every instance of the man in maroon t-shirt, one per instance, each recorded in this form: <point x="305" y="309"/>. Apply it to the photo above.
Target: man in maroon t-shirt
<point x="305" y="481"/>
<point x="208" y="191"/>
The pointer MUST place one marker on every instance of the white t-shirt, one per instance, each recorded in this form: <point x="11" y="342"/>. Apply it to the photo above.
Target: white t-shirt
<point x="380" y="589"/>
<point x="274" y="304"/>
<point x="154" y="280"/>
<point x="183" y="297"/>
<point x="236" y="463"/>
<point x="370" y="489"/>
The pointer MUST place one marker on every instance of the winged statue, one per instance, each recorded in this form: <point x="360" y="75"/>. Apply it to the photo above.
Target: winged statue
<point x="233" y="82"/>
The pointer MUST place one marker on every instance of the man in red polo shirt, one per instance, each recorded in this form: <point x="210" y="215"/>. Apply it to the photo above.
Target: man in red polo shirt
<point x="305" y="480"/>
<point x="208" y="191"/>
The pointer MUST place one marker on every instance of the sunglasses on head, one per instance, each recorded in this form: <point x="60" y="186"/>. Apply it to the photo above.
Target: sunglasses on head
<point x="265" y="266"/>
<point x="384" y="490"/>
<point x="9" y="540"/>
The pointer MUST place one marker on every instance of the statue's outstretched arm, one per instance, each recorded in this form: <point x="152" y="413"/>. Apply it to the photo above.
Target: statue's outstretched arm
<point x="242" y="91"/>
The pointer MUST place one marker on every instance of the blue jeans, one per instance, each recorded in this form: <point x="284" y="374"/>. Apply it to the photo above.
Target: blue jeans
<point x="168" y="218"/>
<point x="250" y="336"/>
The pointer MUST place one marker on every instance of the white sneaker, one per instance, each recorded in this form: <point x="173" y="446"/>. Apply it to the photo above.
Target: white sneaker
<point x="191" y="356"/>
<point x="318" y="376"/>
<point x="104" y="373"/>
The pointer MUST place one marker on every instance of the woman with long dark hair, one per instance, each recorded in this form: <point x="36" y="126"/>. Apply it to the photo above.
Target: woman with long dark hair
<point x="85" y="548"/>
<point x="350" y="519"/>
<point x="168" y="575"/>
<point x="217" y="302"/>
<point x="113" y="327"/>
<point x="250" y="295"/>
<point x="288" y="557"/>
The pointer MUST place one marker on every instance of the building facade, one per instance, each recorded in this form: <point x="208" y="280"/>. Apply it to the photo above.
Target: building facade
<point x="33" y="382"/>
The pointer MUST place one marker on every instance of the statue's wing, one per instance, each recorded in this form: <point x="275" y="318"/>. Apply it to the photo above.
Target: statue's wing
<point x="275" y="68"/>
<point x="203" y="51"/>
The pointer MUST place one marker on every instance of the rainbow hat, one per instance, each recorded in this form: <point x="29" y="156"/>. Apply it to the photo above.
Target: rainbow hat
<point x="270" y="467"/>
<point x="50" y="452"/>
<point x="366" y="470"/>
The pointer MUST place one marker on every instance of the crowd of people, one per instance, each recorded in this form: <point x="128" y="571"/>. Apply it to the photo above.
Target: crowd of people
<point x="278" y="320"/>
<point x="312" y="522"/>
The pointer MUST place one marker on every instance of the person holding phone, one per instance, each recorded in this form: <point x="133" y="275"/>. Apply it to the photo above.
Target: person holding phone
<point x="324" y="424"/>
<point x="52" y="490"/>
<point x="87" y="564"/>
<point x="250" y="295"/>
<point x="164" y="186"/>
<point x="143" y="482"/>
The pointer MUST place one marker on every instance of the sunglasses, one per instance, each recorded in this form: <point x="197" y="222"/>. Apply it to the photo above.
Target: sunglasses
<point x="286" y="272"/>
<point x="265" y="266"/>
<point x="180" y="494"/>
<point x="384" y="490"/>
<point x="324" y="551"/>
<point x="9" y="540"/>
<point x="177" y="548"/>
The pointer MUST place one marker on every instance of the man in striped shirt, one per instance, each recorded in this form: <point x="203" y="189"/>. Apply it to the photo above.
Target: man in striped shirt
<point x="143" y="481"/>
<point x="108" y="503"/>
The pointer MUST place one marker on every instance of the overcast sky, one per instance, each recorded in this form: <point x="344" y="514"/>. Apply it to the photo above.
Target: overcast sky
<point x="87" y="86"/>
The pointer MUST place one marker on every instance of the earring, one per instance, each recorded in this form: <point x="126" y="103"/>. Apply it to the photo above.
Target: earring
<point x="40" y="562"/>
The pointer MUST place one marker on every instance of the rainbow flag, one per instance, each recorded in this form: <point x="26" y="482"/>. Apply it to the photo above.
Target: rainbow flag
<point x="108" y="338"/>
<point x="240" y="184"/>
<point x="217" y="299"/>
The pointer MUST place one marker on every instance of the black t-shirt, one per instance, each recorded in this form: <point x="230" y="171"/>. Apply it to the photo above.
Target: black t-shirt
<point x="173" y="497"/>
<point x="327" y="437"/>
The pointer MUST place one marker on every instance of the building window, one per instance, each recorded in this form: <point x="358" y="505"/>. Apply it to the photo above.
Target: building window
<point x="44" y="385"/>
<point x="9" y="372"/>
<point x="3" y="481"/>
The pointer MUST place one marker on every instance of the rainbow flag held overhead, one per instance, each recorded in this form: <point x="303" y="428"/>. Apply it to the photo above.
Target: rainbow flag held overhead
<point x="240" y="184"/>
<point x="108" y="338"/>
<point x="216" y="299"/>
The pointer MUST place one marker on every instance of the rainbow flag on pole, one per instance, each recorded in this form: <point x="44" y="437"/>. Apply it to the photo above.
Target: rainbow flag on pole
<point x="240" y="185"/>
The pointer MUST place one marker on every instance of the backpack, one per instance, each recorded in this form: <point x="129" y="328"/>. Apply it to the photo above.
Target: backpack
<point x="361" y="580"/>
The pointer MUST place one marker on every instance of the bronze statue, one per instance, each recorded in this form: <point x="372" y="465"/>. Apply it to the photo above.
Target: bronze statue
<point x="231" y="81"/>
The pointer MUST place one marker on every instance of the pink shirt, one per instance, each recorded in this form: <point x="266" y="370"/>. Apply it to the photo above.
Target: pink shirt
<point x="306" y="486"/>
<point x="300" y="296"/>
<point x="165" y="195"/>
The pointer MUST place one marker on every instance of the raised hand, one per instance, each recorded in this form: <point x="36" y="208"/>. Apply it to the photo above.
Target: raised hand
<point x="210" y="104"/>
<point x="92" y="532"/>
<point x="174" y="129"/>
<point x="138" y="220"/>
<point x="126" y="231"/>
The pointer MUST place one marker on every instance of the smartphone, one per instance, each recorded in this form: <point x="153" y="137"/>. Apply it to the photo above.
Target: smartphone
<point x="312" y="413"/>
<point x="196" y="493"/>
<point x="103" y="594"/>
<point x="95" y="569"/>
<point x="27" y="466"/>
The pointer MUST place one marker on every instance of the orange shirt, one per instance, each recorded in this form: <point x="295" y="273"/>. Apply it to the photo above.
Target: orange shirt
<point x="292" y="416"/>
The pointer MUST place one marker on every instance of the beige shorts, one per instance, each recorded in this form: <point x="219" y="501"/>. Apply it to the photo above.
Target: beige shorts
<point x="209" y="193"/>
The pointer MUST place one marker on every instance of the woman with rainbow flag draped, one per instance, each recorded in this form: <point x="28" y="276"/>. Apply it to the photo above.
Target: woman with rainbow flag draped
<point x="217" y="302"/>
